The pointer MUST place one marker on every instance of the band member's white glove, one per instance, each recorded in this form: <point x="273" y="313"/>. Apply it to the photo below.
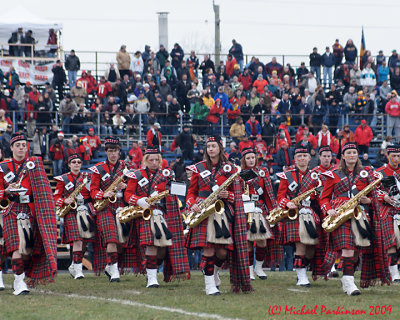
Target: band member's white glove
<point x="143" y="203"/>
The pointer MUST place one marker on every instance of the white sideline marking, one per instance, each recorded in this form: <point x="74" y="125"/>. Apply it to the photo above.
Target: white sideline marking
<point x="297" y="290"/>
<point x="139" y="304"/>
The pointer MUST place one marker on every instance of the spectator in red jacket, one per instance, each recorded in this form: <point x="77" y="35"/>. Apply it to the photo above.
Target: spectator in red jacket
<point x="260" y="145"/>
<point x="84" y="150"/>
<point x="92" y="79"/>
<point x="34" y="94"/>
<point x="311" y="137"/>
<point x="154" y="137"/>
<point x="93" y="141"/>
<point x="214" y="115"/>
<point x="136" y="155"/>
<point x="392" y="108"/>
<point x="57" y="155"/>
<point x="246" y="80"/>
<point x="245" y="143"/>
<point x="284" y="126"/>
<point x="260" y="83"/>
<point x="363" y="136"/>
<point x="103" y="89"/>
<point x="86" y="82"/>
<point x="230" y="64"/>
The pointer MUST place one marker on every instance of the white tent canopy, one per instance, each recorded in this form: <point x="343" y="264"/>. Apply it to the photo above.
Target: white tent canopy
<point x="21" y="17"/>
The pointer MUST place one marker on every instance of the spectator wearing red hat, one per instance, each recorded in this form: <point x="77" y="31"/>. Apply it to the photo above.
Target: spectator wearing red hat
<point x="363" y="136"/>
<point x="93" y="141"/>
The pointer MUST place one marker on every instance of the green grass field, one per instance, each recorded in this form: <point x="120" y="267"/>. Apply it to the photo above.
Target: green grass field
<point x="96" y="298"/>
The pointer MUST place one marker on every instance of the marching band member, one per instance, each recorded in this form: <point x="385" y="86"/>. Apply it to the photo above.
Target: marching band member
<point x="311" y="180"/>
<point x="216" y="233"/>
<point x="354" y="236"/>
<point x="162" y="235"/>
<point x="78" y="228"/>
<point x="258" y="190"/>
<point x="30" y="232"/>
<point x="114" y="236"/>
<point x="288" y="189"/>
<point x="389" y="199"/>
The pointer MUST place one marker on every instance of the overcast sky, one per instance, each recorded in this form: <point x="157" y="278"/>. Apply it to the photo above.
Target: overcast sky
<point x="261" y="26"/>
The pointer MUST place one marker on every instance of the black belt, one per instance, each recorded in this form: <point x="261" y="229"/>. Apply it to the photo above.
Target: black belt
<point x="204" y="194"/>
<point x="16" y="199"/>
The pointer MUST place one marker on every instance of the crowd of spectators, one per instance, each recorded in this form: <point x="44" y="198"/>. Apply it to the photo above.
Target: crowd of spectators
<point x="261" y="104"/>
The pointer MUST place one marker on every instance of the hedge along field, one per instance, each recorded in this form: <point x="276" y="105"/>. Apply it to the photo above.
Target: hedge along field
<point x="275" y="298"/>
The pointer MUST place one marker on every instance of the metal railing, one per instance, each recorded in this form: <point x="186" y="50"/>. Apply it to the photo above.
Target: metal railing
<point x="30" y="120"/>
<point x="33" y="56"/>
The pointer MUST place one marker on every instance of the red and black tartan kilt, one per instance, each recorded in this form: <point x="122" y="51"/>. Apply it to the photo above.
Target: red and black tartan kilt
<point x="260" y="204"/>
<point x="106" y="224"/>
<point x="387" y="226"/>
<point x="146" y="237"/>
<point x="291" y="229"/>
<point x="343" y="237"/>
<point x="197" y="237"/>
<point x="10" y="232"/>
<point x="275" y="253"/>
<point x="70" y="228"/>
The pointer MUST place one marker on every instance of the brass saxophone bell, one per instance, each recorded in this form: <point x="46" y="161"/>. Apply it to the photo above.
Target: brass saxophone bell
<point x="4" y="204"/>
<point x="113" y="199"/>
<point x="147" y="213"/>
<point x="73" y="205"/>
<point x="293" y="214"/>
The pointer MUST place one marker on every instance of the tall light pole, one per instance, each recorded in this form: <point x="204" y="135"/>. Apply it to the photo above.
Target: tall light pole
<point x="163" y="29"/>
<point x="217" y="34"/>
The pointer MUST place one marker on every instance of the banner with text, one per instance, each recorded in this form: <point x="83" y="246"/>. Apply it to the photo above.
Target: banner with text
<point x="35" y="74"/>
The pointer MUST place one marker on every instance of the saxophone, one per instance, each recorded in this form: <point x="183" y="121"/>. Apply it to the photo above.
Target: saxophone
<point x="65" y="208"/>
<point x="350" y="209"/>
<point x="132" y="212"/>
<point x="279" y="213"/>
<point x="101" y="204"/>
<point x="211" y="204"/>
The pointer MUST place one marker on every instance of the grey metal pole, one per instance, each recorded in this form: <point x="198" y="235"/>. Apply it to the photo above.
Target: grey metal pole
<point x="217" y="34"/>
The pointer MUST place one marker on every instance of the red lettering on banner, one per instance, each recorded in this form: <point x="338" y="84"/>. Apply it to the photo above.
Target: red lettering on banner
<point x="41" y="68"/>
<point x="41" y="77"/>
<point x="23" y="64"/>
<point x="7" y="63"/>
<point x="23" y="75"/>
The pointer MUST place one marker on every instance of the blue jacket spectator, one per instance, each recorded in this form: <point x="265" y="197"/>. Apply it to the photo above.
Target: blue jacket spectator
<point x="350" y="52"/>
<point x="236" y="50"/>
<point x="328" y="60"/>
<point x="318" y="113"/>
<point x="284" y="157"/>
<point x="177" y="56"/>
<point x="383" y="73"/>
<point x="223" y="97"/>
<point x="253" y="127"/>
<point x="380" y="58"/>
<point x="285" y="104"/>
